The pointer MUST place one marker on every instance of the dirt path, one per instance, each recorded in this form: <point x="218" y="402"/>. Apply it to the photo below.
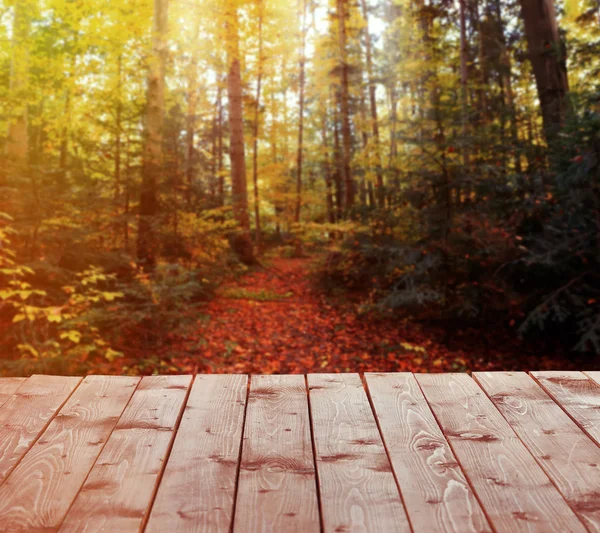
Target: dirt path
<point x="271" y="321"/>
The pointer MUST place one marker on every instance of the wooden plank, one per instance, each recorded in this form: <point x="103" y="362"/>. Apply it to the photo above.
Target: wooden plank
<point x="435" y="491"/>
<point x="40" y="490"/>
<point x="358" y="491"/>
<point x="593" y="375"/>
<point x="197" y="491"/>
<point x="514" y="491"/>
<point x="8" y="386"/>
<point x="577" y="394"/>
<point x="277" y="490"/>
<point x="569" y="458"/>
<point x="119" y="490"/>
<point x="25" y="415"/>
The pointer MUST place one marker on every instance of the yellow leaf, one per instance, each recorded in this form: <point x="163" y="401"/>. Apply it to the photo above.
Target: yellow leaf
<point x="111" y="354"/>
<point x="28" y="348"/>
<point x="73" y="335"/>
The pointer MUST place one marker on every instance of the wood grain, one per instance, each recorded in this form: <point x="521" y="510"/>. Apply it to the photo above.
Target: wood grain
<point x="119" y="490"/>
<point x="197" y="490"/>
<point x="357" y="486"/>
<point x="593" y="375"/>
<point x="41" y="488"/>
<point x="8" y="386"/>
<point x="277" y="490"/>
<point x="578" y="395"/>
<point x="25" y="415"/>
<point x="569" y="458"/>
<point x="435" y="491"/>
<point x="514" y="491"/>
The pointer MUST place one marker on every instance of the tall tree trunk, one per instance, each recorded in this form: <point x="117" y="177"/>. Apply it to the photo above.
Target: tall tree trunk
<point x="373" y="106"/>
<point x="118" y="132"/>
<point x="464" y="80"/>
<point x="18" y="138"/>
<point x="214" y="164"/>
<point x="127" y="195"/>
<point x="239" y="187"/>
<point x="338" y="178"/>
<point x="190" y="130"/>
<point x="300" y="154"/>
<point x="506" y="75"/>
<point x="256" y="124"/>
<point x="327" y="172"/>
<point x="547" y="55"/>
<point x="345" y="105"/>
<point x="152" y="156"/>
<point x="220" y="165"/>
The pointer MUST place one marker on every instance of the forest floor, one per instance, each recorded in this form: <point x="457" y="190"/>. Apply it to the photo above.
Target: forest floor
<point x="274" y="320"/>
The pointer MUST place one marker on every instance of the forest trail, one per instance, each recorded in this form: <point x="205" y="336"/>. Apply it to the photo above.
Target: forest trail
<point x="272" y="320"/>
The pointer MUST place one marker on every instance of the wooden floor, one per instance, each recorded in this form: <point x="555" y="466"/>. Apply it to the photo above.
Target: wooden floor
<point x="504" y="452"/>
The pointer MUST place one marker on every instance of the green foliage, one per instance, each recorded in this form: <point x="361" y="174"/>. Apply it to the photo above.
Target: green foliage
<point x="561" y="237"/>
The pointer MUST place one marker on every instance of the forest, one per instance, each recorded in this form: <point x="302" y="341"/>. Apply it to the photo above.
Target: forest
<point x="299" y="185"/>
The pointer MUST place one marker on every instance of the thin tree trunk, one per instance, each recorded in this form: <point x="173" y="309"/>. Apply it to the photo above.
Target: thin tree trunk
<point x="464" y="80"/>
<point x="152" y="156"/>
<point x="299" y="157"/>
<point x="214" y="164"/>
<point x="190" y="131"/>
<point x="256" y="125"/>
<point x="18" y="138"/>
<point x="221" y="173"/>
<point x="510" y="97"/>
<point x="118" y="131"/>
<point x="345" y="106"/>
<point x="127" y="196"/>
<point x="338" y="178"/>
<point x="327" y="172"/>
<point x="373" y="106"/>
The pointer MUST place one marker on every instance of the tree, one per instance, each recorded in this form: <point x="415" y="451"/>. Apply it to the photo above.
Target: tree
<point x="239" y="187"/>
<point x="300" y="154"/>
<point x="257" y="121"/>
<point x="18" y="138"/>
<point x="344" y="100"/>
<point x="373" y="106"/>
<point x="152" y="155"/>
<point x="547" y="55"/>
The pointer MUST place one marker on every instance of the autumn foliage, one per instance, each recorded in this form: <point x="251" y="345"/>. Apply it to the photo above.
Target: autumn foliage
<point x="320" y="185"/>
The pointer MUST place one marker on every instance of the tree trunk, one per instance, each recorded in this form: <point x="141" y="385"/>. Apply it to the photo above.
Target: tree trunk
<point x="152" y="155"/>
<point x="190" y="129"/>
<point x="373" y="106"/>
<point x="327" y="172"/>
<point x="547" y="55"/>
<point x="299" y="157"/>
<point x="220" y="171"/>
<point x="345" y="106"/>
<point x="242" y="243"/>
<point x="338" y="178"/>
<point x="464" y="79"/>
<point x="256" y="125"/>
<point x="118" y="132"/>
<point x="18" y="139"/>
